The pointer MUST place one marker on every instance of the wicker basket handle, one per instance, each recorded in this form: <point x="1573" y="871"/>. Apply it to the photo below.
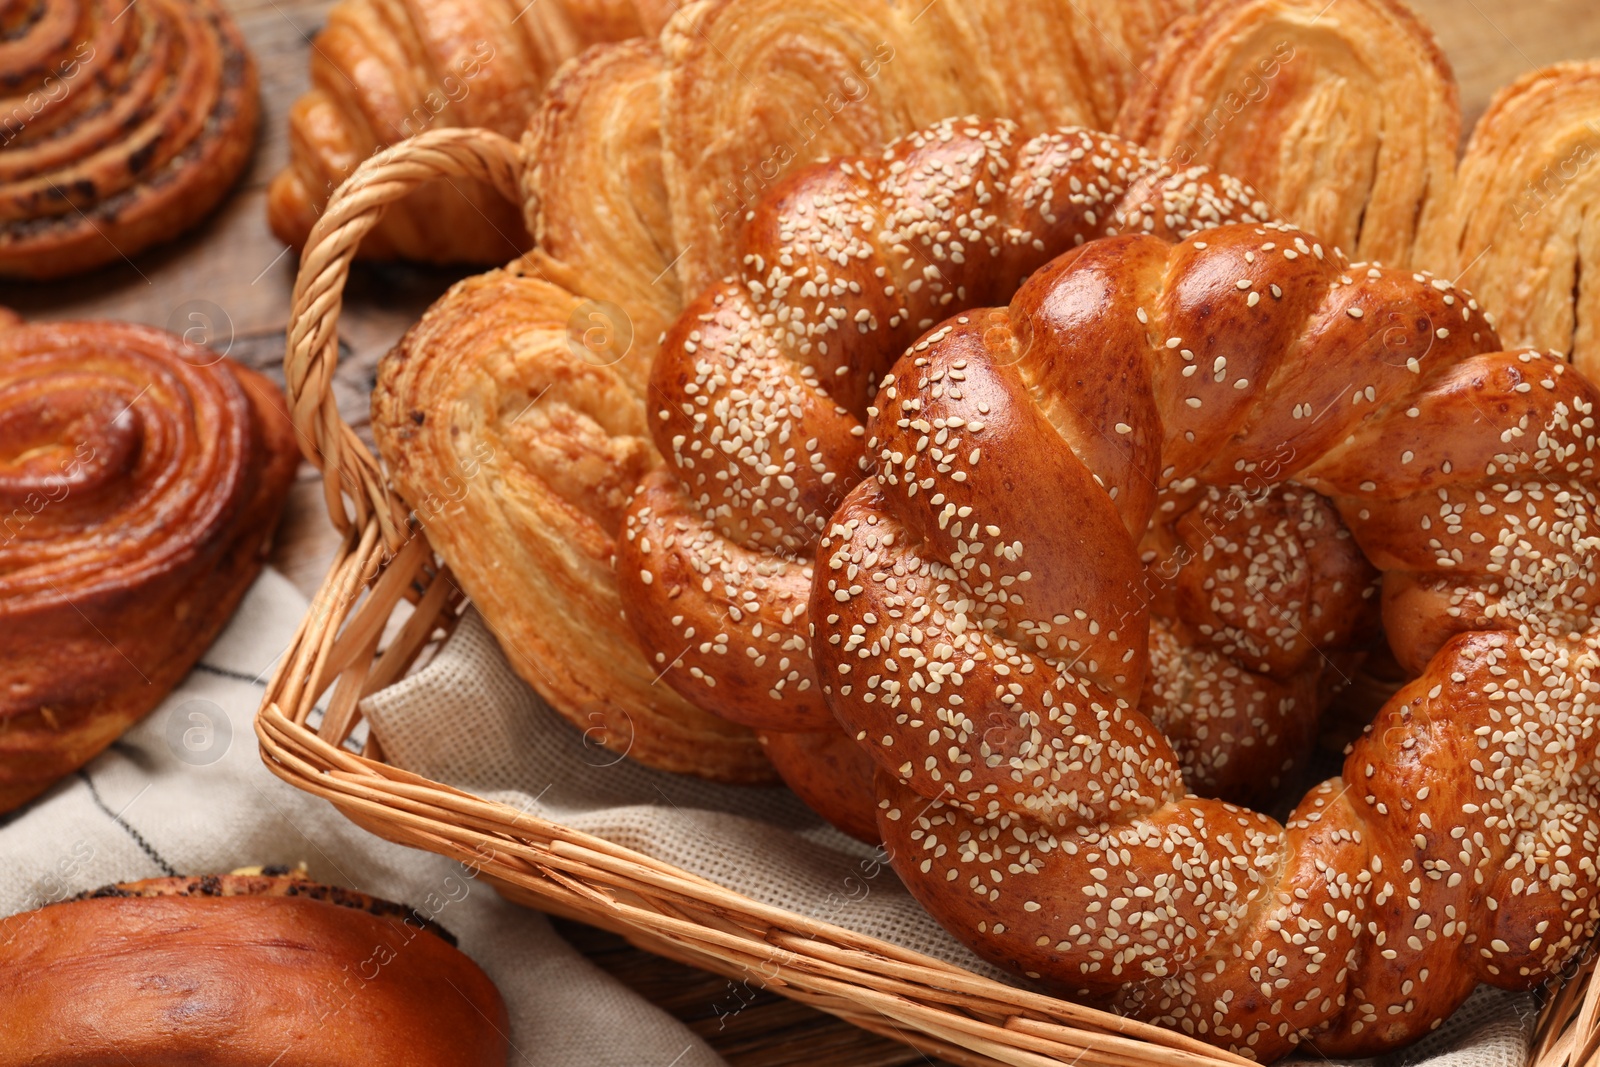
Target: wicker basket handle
<point x="312" y="352"/>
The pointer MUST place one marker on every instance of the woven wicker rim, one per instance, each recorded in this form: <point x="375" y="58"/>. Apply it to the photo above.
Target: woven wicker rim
<point x="936" y="1007"/>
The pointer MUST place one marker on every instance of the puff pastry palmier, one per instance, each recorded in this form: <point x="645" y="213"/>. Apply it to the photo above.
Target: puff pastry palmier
<point x="749" y="89"/>
<point x="756" y="89"/>
<point x="1344" y="116"/>
<point x="595" y="197"/>
<point x="1519" y="228"/>
<point x="384" y="70"/>
<point x="241" y="969"/>
<point x="121" y="125"/>
<point x="1459" y="845"/>
<point x="517" y="446"/>
<point x="140" y="481"/>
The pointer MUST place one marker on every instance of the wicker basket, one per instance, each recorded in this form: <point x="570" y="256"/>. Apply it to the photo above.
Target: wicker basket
<point x="385" y="571"/>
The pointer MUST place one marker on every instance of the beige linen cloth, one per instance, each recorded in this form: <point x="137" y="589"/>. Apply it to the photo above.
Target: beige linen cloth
<point x="185" y="791"/>
<point x="175" y="794"/>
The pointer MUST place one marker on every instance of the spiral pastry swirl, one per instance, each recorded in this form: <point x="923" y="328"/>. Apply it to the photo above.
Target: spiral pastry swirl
<point x="140" y="480"/>
<point x="1346" y="117"/>
<point x="992" y="567"/>
<point x="121" y="126"/>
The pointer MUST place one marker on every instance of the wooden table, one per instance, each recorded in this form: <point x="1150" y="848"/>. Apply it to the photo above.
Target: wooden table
<point x="232" y="279"/>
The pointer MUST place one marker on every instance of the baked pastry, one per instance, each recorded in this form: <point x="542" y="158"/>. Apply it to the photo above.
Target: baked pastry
<point x="383" y="71"/>
<point x="596" y="201"/>
<point x="829" y="772"/>
<point x="1242" y="404"/>
<point x="237" y="969"/>
<point x="839" y="77"/>
<point x="749" y="88"/>
<point x="598" y="198"/>
<point x="140" y="481"/>
<point x="1517" y="229"/>
<point x="123" y="125"/>
<point x="517" y="451"/>
<point x="760" y="388"/>
<point x="1344" y="116"/>
<point x="1458" y="845"/>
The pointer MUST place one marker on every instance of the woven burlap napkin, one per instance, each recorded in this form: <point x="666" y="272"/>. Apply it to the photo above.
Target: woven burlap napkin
<point x="466" y="719"/>
<point x="185" y="791"/>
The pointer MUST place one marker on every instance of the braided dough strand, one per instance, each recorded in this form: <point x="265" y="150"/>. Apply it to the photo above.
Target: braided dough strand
<point x="760" y="387"/>
<point x="991" y="569"/>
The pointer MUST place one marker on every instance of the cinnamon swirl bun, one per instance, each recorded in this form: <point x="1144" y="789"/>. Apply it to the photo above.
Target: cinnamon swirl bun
<point x="140" y="480"/>
<point x="121" y="125"/>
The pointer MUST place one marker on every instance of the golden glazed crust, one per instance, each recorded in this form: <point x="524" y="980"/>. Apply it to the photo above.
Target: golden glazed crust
<point x="140" y="482"/>
<point x="597" y="197"/>
<point x="760" y="387"/>
<point x="120" y="127"/>
<point x="259" y="969"/>
<point x="517" y="454"/>
<point x="1519" y="225"/>
<point x="1460" y="843"/>
<point x="832" y="774"/>
<point x="384" y="70"/>
<point x="1345" y="116"/>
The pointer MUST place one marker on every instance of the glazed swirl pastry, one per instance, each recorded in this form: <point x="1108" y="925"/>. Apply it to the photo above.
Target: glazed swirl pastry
<point x="140" y="480"/>
<point x="121" y="125"/>
<point x="992" y="567"/>
<point x="256" y="967"/>
<point x="761" y="386"/>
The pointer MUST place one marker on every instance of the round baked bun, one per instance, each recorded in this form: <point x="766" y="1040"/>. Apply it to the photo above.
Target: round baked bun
<point x="245" y="969"/>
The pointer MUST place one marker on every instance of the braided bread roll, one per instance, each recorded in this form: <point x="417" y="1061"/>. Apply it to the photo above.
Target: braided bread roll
<point x="120" y="126"/>
<point x="992" y="564"/>
<point x="1518" y="226"/>
<point x="1345" y="116"/>
<point x="140" y="480"/>
<point x="384" y="70"/>
<point x="761" y="387"/>
<point x="597" y="200"/>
